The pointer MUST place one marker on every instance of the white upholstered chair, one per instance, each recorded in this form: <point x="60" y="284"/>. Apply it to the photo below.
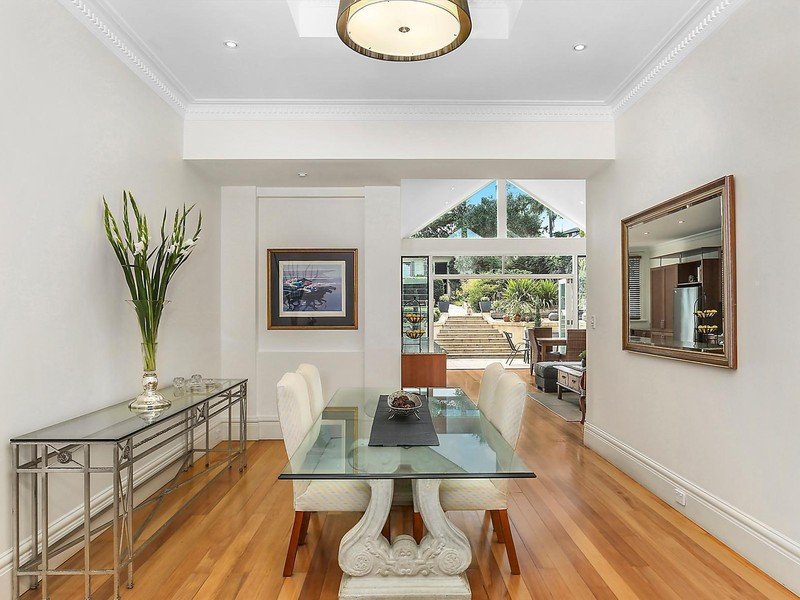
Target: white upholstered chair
<point x="491" y="375"/>
<point x="504" y="411"/>
<point x="311" y="374"/>
<point x="294" y="414"/>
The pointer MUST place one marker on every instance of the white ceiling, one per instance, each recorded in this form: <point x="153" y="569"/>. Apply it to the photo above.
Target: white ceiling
<point x="176" y="45"/>
<point x="697" y="219"/>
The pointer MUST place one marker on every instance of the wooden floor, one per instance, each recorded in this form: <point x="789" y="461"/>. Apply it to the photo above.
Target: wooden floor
<point x="583" y="530"/>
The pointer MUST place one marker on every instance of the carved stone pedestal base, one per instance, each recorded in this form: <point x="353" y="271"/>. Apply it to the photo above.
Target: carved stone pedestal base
<point x="394" y="588"/>
<point x="375" y="569"/>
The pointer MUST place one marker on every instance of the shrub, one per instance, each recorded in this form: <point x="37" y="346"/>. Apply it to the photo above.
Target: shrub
<point x="519" y="297"/>
<point x="547" y="291"/>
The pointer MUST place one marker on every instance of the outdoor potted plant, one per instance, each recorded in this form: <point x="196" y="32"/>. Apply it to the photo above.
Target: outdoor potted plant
<point x="582" y="356"/>
<point x="497" y="310"/>
<point x="444" y="303"/>
<point x="537" y="312"/>
<point x="518" y="298"/>
<point x="485" y="304"/>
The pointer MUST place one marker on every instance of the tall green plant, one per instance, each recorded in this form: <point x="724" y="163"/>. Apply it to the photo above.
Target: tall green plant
<point x="547" y="291"/>
<point x="149" y="272"/>
<point x="519" y="297"/>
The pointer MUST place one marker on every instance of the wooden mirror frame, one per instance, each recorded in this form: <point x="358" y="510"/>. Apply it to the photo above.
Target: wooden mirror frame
<point x="721" y="187"/>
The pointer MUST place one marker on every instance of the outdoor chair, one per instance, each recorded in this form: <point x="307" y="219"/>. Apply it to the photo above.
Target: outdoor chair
<point x="515" y="348"/>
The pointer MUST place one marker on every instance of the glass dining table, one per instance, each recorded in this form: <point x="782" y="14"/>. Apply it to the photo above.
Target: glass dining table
<point x="470" y="447"/>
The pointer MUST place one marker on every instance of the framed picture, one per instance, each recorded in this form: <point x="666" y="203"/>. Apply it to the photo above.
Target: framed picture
<point x="312" y="289"/>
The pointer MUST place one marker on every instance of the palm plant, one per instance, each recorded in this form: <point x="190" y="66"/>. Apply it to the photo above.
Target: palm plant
<point x="519" y="297"/>
<point x="547" y="291"/>
<point x="148" y="272"/>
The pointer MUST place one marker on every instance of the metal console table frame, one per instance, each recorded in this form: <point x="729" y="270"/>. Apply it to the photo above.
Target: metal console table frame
<point x="123" y="439"/>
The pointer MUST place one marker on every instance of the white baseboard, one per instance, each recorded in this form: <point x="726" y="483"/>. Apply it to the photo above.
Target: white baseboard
<point x="768" y="549"/>
<point x="258" y="428"/>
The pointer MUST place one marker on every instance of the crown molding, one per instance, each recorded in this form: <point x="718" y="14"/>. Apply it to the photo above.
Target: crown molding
<point x="711" y="15"/>
<point x="359" y="110"/>
<point x="103" y="22"/>
<point x="115" y="33"/>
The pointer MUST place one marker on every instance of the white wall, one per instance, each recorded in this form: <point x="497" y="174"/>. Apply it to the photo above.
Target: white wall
<point x="320" y="222"/>
<point x="382" y="272"/>
<point x="729" y="437"/>
<point x="255" y="220"/>
<point x="76" y="125"/>
<point x="388" y="140"/>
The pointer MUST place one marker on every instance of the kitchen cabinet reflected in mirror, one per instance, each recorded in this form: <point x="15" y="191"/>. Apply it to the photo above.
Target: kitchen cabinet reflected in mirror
<point x="679" y="291"/>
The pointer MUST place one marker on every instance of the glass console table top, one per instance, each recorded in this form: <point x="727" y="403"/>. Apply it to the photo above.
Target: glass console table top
<point x="117" y="422"/>
<point x="337" y="447"/>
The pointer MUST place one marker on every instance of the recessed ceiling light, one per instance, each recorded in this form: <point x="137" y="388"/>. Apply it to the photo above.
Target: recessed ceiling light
<point x="579" y="47"/>
<point x="230" y="44"/>
<point x="681" y="221"/>
<point x="302" y="174"/>
<point x="647" y="233"/>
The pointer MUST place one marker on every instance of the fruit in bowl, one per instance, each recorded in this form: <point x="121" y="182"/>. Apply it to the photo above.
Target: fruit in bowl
<point x="403" y="402"/>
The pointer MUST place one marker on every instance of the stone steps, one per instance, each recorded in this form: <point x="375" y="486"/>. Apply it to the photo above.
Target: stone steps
<point x="471" y="337"/>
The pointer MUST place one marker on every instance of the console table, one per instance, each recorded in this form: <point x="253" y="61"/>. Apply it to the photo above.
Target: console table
<point x="131" y="450"/>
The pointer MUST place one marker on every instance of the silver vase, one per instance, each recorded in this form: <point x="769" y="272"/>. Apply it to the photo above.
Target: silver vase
<point x="149" y="399"/>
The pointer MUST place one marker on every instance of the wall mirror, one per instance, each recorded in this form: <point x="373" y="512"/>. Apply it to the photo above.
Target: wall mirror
<point x="679" y="277"/>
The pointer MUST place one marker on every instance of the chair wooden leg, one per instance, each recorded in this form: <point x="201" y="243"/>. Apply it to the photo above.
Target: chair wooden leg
<point x="304" y="527"/>
<point x="387" y="527"/>
<point x="508" y="539"/>
<point x="418" y="527"/>
<point x="498" y="528"/>
<point x="294" y="541"/>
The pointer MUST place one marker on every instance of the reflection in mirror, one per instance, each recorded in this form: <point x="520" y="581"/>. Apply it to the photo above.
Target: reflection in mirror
<point x="676" y="279"/>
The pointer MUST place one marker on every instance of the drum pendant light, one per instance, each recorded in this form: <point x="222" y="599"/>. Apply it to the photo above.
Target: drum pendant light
<point x="403" y="30"/>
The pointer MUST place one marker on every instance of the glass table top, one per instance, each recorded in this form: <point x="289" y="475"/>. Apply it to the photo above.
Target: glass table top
<point x="117" y="422"/>
<point x="470" y="447"/>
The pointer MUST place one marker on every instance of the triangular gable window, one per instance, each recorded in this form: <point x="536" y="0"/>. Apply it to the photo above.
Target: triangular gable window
<point x="529" y="218"/>
<point x="475" y="217"/>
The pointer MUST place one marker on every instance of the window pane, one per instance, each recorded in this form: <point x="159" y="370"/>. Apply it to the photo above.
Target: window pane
<point x="581" y="292"/>
<point x="415" y="304"/>
<point x="467" y="265"/>
<point x="475" y="217"/>
<point x="527" y="217"/>
<point x="539" y="265"/>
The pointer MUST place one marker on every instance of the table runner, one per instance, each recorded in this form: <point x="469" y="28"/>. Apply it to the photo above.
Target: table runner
<point x="402" y="430"/>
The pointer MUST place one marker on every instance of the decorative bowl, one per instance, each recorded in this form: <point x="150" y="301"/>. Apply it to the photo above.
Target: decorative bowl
<point x="415" y="334"/>
<point x="414" y="318"/>
<point x="403" y="403"/>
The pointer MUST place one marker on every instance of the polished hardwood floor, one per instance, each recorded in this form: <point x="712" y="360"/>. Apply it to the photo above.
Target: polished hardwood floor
<point x="583" y="529"/>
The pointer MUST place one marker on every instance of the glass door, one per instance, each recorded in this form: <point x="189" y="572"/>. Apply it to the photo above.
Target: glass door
<point x="414" y="304"/>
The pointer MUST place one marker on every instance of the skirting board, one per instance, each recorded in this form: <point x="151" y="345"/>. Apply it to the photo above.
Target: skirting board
<point x="768" y="549"/>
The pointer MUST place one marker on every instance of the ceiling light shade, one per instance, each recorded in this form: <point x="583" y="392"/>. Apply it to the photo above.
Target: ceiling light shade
<point x="403" y="30"/>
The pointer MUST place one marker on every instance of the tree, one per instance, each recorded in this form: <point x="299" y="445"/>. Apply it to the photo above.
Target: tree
<point x="539" y="265"/>
<point x="479" y="217"/>
<point x="524" y="215"/>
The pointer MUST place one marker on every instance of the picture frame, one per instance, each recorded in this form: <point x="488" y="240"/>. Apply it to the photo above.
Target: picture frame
<point x="720" y="195"/>
<point x="312" y="288"/>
